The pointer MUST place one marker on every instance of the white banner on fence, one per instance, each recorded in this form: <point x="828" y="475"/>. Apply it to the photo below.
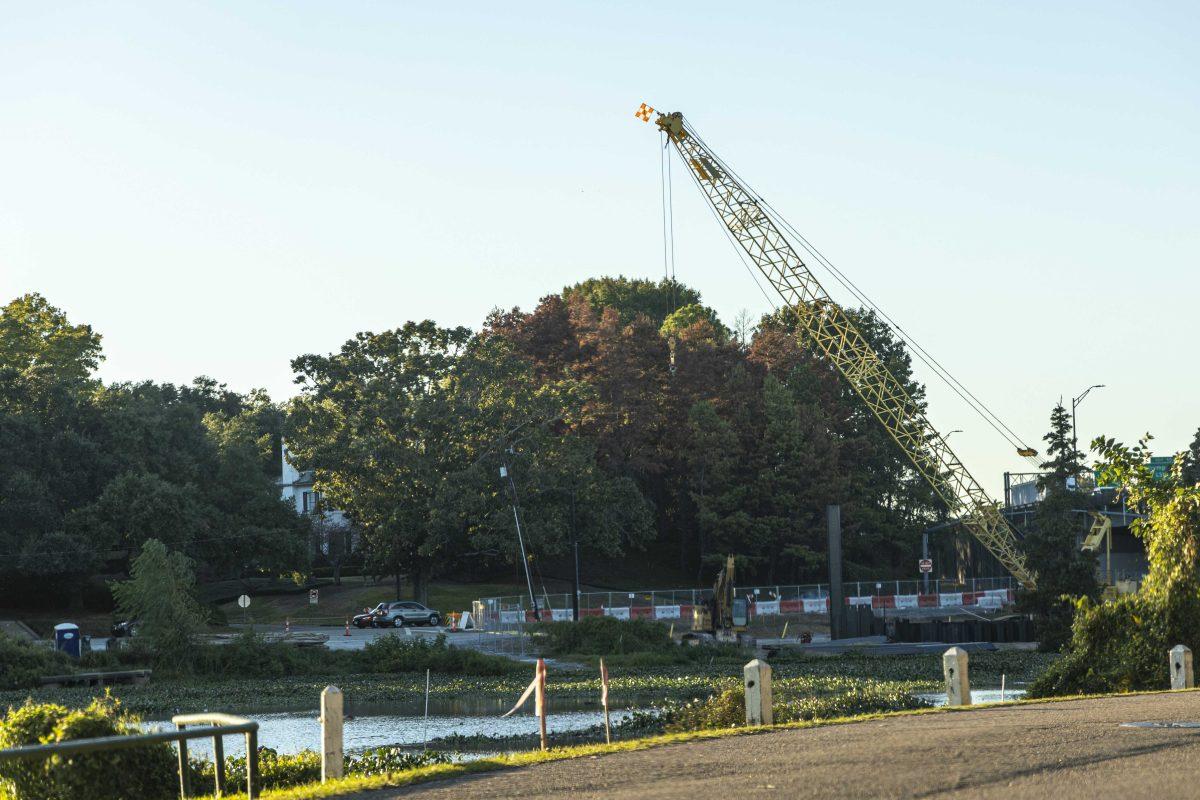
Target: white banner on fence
<point x="950" y="599"/>
<point x="988" y="602"/>
<point x="764" y="608"/>
<point x="906" y="601"/>
<point x="512" y="616"/>
<point x="815" y="605"/>
<point x="560" y="614"/>
<point x="666" y="612"/>
<point x="619" y="613"/>
<point x="861" y="601"/>
<point x="1001" y="594"/>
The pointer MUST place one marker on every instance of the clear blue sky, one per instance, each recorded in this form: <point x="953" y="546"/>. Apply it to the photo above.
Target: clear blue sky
<point x="220" y="187"/>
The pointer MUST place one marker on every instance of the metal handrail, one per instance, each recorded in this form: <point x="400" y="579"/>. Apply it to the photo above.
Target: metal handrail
<point x="221" y="725"/>
<point x="217" y="725"/>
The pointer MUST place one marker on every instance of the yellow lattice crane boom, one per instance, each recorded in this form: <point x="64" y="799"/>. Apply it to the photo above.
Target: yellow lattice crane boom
<point x="827" y="326"/>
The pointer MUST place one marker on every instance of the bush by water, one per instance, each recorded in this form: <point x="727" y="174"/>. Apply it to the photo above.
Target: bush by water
<point x="147" y="773"/>
<point x="604" y="636"/>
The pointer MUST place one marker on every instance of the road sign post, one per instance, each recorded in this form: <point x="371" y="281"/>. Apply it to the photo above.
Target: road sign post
<point x="244" y="602"/>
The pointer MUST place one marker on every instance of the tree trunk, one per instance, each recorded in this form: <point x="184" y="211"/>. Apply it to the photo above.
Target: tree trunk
<point x="420" y="585"/>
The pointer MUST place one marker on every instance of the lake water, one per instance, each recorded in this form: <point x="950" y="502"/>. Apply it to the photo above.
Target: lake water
<point x="978" y="696"/>
<point x="376" y="724"/>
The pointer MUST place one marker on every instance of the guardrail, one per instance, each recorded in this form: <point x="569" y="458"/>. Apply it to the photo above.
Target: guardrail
<point x="218" y="726"/>
<point x="221" y="725"/>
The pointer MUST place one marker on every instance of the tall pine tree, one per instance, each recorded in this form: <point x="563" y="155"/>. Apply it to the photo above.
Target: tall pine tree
<point x="1052" y="545"/>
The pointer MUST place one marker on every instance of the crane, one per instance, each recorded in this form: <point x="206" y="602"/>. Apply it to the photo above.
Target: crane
<point x="833" y="333"/>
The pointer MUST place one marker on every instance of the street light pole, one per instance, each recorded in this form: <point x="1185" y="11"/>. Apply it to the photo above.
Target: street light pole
<point x="506" y="473"/>
<point x="1075" y="403"/>
<point x="575" y="547"/>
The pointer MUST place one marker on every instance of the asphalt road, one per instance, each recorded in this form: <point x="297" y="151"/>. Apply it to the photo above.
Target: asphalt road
<point x="1073" y="749"/>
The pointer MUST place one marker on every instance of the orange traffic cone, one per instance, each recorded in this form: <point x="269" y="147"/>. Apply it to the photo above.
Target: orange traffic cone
<point x="347" y="633"/>
<point x="287" y="625"/>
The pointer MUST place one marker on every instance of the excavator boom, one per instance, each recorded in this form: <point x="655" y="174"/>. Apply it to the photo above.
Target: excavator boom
<point x="827" y="326"/>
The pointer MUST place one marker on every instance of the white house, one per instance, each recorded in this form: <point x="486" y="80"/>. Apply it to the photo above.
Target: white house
<point x="297" y="487"/>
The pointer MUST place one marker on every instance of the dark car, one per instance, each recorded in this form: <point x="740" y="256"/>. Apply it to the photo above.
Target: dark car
<point x="366" y="618"/>
<point x="123" y="628"/>
<point x="399" y="613"/>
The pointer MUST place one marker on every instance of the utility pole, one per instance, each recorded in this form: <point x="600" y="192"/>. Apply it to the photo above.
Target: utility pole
<point x="837" y="600"/>
<point x="512" y="487"/>
<point x="575" y="548"/>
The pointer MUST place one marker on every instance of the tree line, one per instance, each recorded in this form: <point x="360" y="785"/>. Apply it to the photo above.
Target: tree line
<point x="630" y="419"/>
<point x="89" y="472"/>
<point x="627" y="418"/>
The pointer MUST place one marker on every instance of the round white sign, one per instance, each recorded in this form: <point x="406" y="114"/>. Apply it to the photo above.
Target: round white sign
<point x="244" y="601"/>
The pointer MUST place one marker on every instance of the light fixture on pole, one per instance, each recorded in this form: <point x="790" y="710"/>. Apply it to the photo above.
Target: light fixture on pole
<point x="1075" y="402"/>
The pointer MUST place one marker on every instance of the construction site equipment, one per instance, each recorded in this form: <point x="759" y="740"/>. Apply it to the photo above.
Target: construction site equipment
<point x="719" y="615"/>
<point x="1101" y="531"/>
<point x="826" y="325"/>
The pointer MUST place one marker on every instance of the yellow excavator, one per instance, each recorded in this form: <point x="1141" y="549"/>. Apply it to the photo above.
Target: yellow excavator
<point x="719" y="616"/>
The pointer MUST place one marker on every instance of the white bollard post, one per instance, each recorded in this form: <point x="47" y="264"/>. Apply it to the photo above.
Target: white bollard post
<point x="331" y="733"/>
<point x="758" y="693"/>
<point x="1181" y="667"/>
<point x="958" y="681"/>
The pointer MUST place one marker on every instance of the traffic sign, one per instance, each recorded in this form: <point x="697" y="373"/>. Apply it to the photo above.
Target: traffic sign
<point x="926" y="564"/>
<point x="312" y="597"/>
<point x="244" y="601"/>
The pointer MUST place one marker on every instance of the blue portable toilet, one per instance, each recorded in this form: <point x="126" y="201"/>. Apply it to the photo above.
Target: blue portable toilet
<point x="66" y="639"/>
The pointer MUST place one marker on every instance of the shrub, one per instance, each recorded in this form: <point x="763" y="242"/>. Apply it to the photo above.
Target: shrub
<point x="250" y="656"/>
<point x="22" y="663"/>
<point x="389" y="760"/>
<point x="281" y="771"/>
<point x="728" y="709"/>
<point x="393" y="653"/>
<point x="147" y="772"/>
<point x="605" y="636"/>
<point x="1121" y="645"/>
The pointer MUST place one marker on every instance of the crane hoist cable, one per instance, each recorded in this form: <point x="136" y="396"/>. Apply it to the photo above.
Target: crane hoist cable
<point x="668" y="214"/>
<point x="833" y="332"/>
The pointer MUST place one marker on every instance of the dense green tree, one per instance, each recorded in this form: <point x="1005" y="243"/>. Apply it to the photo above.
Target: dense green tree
<point x="1052" y="543"/>
<point x="634" y="297"/>
<point x="373" y="420"/>
<point x="63" y="561"/>
<point x="712" y="458"/>
<point x="886" y="504"/>
<point x="687" y="318"/>
<point x="408" y="429"/>
<point x="92" y="471"/>
<point x="1191" y="462"/>
<point x="41" y="346"/>
<point x="160" y="595"/>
